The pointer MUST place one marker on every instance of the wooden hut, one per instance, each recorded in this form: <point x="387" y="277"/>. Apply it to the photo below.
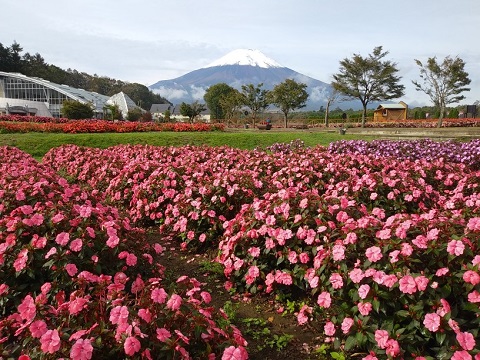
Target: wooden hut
<point x="391" y="112"/>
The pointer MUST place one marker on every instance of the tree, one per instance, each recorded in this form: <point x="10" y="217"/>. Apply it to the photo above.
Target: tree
<point x="191" y="110"/>
<point x="332" y="97"/>
<point x="368" y="79"/>
<point x="230" y="103"/>
<point x="255" y="98"/>
<point x="443" y="83"/>
<point x="288" y="95"/>
<point x="73" y="109"/>
<point x="112" y="111"/>
<point x="134" y="114"/>
<point x="213" y="96"/>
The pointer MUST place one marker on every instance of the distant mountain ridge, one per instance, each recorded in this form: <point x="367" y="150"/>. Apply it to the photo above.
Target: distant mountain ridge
<point x="237" y="68"/>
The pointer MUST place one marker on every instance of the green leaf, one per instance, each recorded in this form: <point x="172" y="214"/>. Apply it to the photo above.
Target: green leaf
<point x="350" y="343"/>
<point x="440" y="337"/>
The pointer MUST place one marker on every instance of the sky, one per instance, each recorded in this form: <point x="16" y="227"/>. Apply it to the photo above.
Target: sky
<point x="147" y="41"/>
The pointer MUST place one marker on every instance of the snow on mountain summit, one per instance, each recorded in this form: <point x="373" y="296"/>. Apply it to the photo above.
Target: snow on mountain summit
<point x="246" y="57"/>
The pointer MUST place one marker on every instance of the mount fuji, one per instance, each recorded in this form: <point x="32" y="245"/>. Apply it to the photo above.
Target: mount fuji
<point x="237" y="68"/>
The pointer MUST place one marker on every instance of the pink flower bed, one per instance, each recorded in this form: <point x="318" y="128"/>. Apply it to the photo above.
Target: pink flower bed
<point x="79" y="280"/>
<point x="384" y="251"/>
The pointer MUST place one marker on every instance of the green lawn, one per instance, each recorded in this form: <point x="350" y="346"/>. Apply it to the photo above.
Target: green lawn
<point x="37" y="144"/>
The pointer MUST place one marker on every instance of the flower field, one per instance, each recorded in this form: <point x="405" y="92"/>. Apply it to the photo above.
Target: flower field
<point x="378" y="242"/>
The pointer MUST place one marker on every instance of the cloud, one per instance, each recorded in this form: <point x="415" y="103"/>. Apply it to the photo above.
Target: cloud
<point x="197" y="93"/>
<point x="171" y="94"/>
<point x="318" y="93"/>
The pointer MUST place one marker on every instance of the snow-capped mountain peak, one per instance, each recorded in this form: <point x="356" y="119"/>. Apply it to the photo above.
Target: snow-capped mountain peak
<point x="246" y="57"/>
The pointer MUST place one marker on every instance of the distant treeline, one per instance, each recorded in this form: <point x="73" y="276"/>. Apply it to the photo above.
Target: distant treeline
<point x="12" y="60"/>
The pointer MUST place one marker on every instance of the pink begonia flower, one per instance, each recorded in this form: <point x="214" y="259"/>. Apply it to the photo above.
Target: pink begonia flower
<point x="441" y="272"/>
<point x="182" y="337"/>
<point x="338" y="252"/>
<point x="474" y="224"/>
<point x="77" y="305"/>
<point x="454" y="326"/>
<point x="476" y="260"/>
<point x="408" y="285"/>
<point x="393" y="348"/>
<point x="394" y="256"/>
<point x="474" y="297"/>
<point x="336" y="281"/>
<point x="235" y="353"/>
<point x="384" y="234"/>
<point x="421" y="282"/>
<point x="163" y="334"/>
<point x="356" y="275"/>
<point x="370" y="357"/>
<point x="381" y="337"/>
<point x="364" y="308"/>
<point x="304" y="258"/>
<point x="27" y="308"/>
<point x="81" y="350"/>
<point x="113" y="241"/>
<point x="24" y="357"/>
<point x="206" y="297"/>
<point x="45" y="288"/>
<point x="131" y="345"/>
<point x="432" y="322"/>
<point x="71" y="269"/>
<point x="21" y="260"/>
<point x="471" y="277"/>
<point x="406" y="250"/>
<point x="324" y="299"/>
<point x="57" y="218"/>
<point x="62" y="239"/>
<point x="466" y="340"/>
<point x="131" y="260"/>
<point x="347" y="323"/>
<point x="38" y="328"/>
<point x="329" y="328"/>
<point x="119" y="315"/>
<point x="39" y="242"/>
<point x="76" y="245"/>
<point x="351" y="238"/>
<point x="50" y="341"/>
<point x="444" y="309"/>
<point x="254" y="251"/>
<point x="363" y="291"/>
<point x="174" y="302"/>
<point x="461" y="355"/>
<point x="373" y="254"/>
<point x="455" y="247"/>
<point x="145" y="315"/>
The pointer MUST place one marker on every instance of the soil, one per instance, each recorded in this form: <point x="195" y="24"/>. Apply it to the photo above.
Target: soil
<point x="257" y="317"/>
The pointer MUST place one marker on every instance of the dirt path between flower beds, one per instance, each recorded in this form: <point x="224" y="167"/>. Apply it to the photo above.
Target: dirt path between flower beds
<point x="262" y="326"/>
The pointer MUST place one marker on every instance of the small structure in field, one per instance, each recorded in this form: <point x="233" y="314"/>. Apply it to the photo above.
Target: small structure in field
<point x="391" y="112"/>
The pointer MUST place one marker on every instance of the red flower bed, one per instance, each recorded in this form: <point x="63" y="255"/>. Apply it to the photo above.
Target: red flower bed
<point x="24" y="124"/>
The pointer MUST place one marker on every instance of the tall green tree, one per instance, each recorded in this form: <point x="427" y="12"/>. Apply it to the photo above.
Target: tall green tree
<point x="72" y="109"/>
<point x="368" y="79"/>
<point x="192" y="110"/>
<point x="231" y="103"/>
<point x="287" y="96"/>
<point x="443" y="82"/>
<point x="213" y="96"/>
<point x="255" y="98"/>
